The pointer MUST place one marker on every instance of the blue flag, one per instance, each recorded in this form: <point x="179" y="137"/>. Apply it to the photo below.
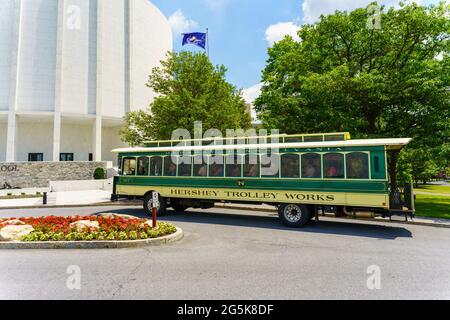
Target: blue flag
<point x="195" y="38"/>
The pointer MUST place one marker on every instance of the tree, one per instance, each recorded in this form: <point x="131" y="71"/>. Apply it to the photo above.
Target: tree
<point x="344" y="76"/>
<point x="417" y="165"/>
<point x="190" y="89"/>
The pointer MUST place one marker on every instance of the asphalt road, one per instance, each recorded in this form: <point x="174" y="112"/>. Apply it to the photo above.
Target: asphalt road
<point x="240" y="255"/>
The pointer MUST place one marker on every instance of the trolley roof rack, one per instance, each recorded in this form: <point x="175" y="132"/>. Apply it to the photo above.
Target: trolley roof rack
<point x="281" y="138"/>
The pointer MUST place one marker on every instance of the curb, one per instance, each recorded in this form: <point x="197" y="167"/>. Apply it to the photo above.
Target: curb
<point x="93" y="244"/>
<point x="415" y="223"/>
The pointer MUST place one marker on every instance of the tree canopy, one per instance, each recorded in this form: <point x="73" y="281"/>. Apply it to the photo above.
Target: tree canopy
<point x="388" y="79"/>
<point x="190" y="88"/>
<point x="343" y="76"/>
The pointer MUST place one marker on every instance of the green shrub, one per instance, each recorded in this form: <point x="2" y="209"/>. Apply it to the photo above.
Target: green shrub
<point x="100" y="174"/>
<point x="133" y="235"/>
<point x="122" y="236"/>
<point x="143" y="235"/>
<point x="90" y="237"/>
<point x="112" y="236"/>
<point x="51" y="233"/>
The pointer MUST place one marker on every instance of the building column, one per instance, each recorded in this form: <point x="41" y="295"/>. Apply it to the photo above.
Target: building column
<point x="97" y="139"/>
<point x="14" y="81"/>
<point x="11" y="137"/>
<point x="97" y="128"/>
<point x="56" y="137"/>
<point x="58" y="82"/>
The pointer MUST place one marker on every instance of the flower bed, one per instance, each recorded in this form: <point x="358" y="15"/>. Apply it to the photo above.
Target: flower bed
<point x="109" y="228"/>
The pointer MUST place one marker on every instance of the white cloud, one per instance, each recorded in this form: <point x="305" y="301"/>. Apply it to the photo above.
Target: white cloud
<point x="278" y="31"/>
<point x="312" y="9"/>
<point x="180" y="23"/>
<point x="250" y="95"/>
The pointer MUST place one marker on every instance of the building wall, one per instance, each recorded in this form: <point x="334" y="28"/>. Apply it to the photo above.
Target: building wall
<point x="37" y="57"/>
<point x="79" y="57"/>
<point x="34" y="137"/>
<point x="147" y="27"/>
<point x="113" y="53"/>
<point x="6" y="42"/>
<point x="111" y="141"/>
<point x="95" y="70"/>
<point x="3" y="131"/>
<point x="77" y="139"/>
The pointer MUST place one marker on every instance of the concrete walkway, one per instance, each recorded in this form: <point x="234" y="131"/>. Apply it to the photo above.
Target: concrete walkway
<point x="61" y="199"/>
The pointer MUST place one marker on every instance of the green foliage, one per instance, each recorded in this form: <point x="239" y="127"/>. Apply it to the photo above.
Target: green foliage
<point x="100" y="174"/>
<point x="138" y="128"/>
<point x="418" y="165"/>
<point x="404" y="169"/>
<point x="122" y="236"/>
<point x="190" y="88"/>
<point x="143" y="235"/>
<point x="124" y="232"/>
<point x="133" y="235"/>
<point x="384" y="82"/>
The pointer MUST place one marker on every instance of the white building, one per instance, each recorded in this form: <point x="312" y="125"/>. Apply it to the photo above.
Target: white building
<point x="70" y="70"/>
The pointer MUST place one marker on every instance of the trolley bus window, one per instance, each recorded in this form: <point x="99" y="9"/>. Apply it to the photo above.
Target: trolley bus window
<point x="200" y="166"/>
<point x="313" y="138"/>
<point x="311" y="166"/>
<point x="216" y="168"/>
<point x="357" y="165"/>
<point x="270" y="166"/>
<point x="290" y="166"/>
<point x="333" y="165"/>
<point x="234" y="167"/>
<point x="376" y="161"/>
<point x="143" y="163"/>
<point x="129" y="166"/>
<point x="170" y="168"/>
<point x="251" y="166"/>
<point x="185" y="167"/>
<point x="156" y="166"/>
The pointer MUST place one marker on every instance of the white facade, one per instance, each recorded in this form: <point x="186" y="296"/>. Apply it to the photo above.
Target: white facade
<point x="69" y="72"/>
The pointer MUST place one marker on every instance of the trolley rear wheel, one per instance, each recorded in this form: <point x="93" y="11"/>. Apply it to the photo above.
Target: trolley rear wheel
<point x="294" y="215"/>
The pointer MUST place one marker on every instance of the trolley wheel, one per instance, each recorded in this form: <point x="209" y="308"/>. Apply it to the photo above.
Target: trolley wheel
<point x="148" y="202"/>
<point x="294" y="216"/>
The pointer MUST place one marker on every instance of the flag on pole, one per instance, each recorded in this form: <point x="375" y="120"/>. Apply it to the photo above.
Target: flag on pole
<point x="196" y="38"/>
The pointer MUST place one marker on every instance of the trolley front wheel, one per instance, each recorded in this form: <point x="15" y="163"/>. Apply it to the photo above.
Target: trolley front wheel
<point x="148" y="205"/>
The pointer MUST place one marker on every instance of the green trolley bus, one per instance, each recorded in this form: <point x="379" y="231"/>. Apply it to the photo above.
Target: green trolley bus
<point x="301" y="175"/>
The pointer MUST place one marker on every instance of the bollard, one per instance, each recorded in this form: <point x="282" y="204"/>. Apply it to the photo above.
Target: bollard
<point x="44" y="199"/>
<point x="155" y="204"/>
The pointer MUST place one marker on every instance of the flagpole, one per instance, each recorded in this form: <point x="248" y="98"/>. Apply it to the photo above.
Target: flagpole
<point x="207" y="41"/>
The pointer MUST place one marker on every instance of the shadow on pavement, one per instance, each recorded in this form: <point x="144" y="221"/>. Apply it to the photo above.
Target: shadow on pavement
<point x="354" y="229"/>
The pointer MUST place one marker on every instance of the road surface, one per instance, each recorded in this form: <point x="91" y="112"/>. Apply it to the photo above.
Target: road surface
<point x="240" y="255"/>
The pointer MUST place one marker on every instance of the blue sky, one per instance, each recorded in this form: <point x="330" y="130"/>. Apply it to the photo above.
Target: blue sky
<point x="242" y="30"/>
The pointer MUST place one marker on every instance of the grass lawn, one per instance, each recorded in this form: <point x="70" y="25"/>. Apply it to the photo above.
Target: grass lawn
<point x="433" y="206"/>
<point x="434" y="189"/>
